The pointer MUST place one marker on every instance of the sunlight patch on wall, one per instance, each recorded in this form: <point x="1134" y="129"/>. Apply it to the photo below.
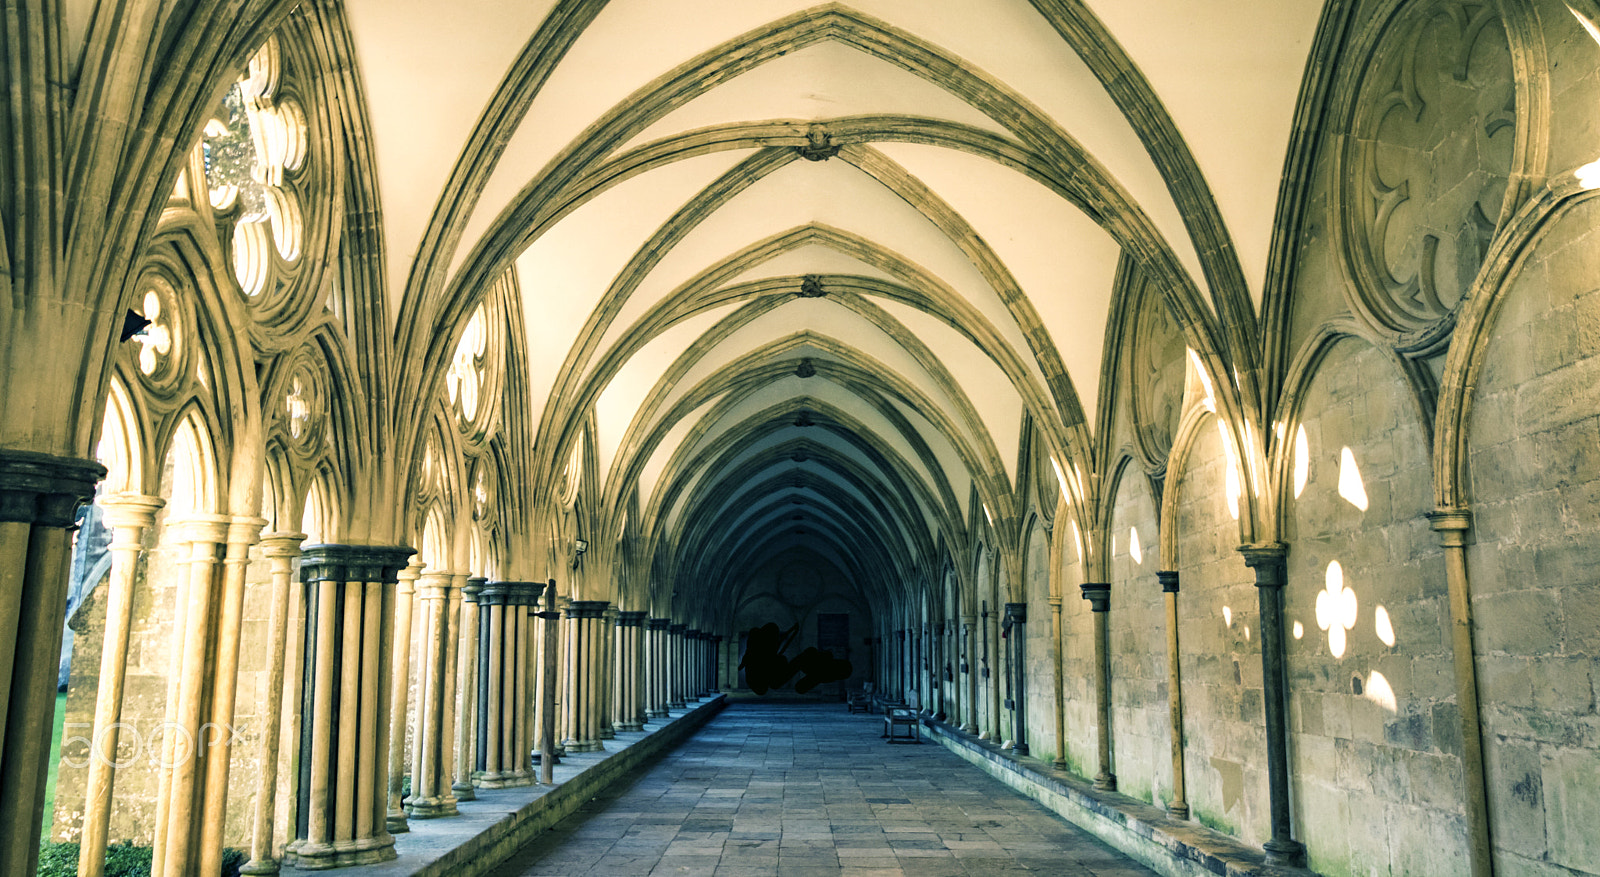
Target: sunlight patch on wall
<point x="1336" y="609"/>
<point x="1299" y="630"/>
<point x="1385" y="628"/>
<point x="1379" y="691"/>
<point x="1350" y="485"/>
<point x="1134" y="548"/>
<point x="1232" y="487"/>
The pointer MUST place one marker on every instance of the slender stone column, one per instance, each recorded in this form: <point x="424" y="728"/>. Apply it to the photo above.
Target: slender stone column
<point x="467" y="684"/>
<point x="430" y="784"/>
<point x="281" y="550"/>
<point x="399" y="693"/>
<point x="1017" y="615"/>
<point x="1099" y="596"/>
<point x="547" y="713"/>
<point x="180" y="791"/>
<point x="657" y="671"/>
<point x="39" y="497"/>
<point x="1452" y="525"/>
<point x="218" y="732"/>
<point x="630" y="625"/>
<point x="449" y="742"/>
<point x="717" y="684"/>
<point x="969" y="666"/>
<point x="572" y="632"/>
<point x="608" y="655"/>
<point x="1268" y="563"/>
<point x="345" y="733"/>
<point x="130" y="517"/>
<point x="675" y="692"/>
<point x="1178" y="807"/>
<point x="1060" y="761"/>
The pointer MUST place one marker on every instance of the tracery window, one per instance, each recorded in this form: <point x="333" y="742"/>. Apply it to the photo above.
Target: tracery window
<point x="465" y="380"/>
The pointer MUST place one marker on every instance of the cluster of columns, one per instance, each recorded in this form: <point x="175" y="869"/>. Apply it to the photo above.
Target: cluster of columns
<point x="508" y="655"/>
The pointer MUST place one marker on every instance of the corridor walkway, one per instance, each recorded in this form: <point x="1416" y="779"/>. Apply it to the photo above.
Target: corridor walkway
<point x="802" y="790"/>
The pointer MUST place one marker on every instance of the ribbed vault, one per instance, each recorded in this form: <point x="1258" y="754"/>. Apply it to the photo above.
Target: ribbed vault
<point x="831" y="279"/>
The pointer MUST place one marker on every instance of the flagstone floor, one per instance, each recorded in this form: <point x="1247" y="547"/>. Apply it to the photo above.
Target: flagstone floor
<point x="805" y="790"/>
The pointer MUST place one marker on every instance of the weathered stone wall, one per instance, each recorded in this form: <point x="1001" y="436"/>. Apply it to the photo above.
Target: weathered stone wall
<point x="1376" y="742"/>
<point x="1535" y="489"/>
<point x="1224" y="730"/>
<point x="1141" y="738"/>
<point x="1077" y="663"/>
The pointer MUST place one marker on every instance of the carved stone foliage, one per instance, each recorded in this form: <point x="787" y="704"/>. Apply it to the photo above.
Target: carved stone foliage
<point x="1156" y="376"/>
<point x="1422" y="173"/>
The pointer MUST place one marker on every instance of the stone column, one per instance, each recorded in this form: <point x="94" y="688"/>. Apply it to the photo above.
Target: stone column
<point x="1099" y="596"/>
<point x="181" y="782"/>
<point x="430" y="780"/>
<point x="1452" y="525"/>
<point x="130" y="517"/>
<point x="449" y="743"/>
<point x="629" y="626"/>
<point x="467" y="685"/>
<point x="242" y="534"/>
<point x="675" y="692"/>
<point x="547" y="687"/>
<point x="656" y="674"/>
<point x="1268" y="563"/>
<point x="39" y="497"/>
<point x="399" y="692"/>
<point x="1017" y="615"/>
<point x="969" y="666"/>
<point x="503" y="710"/>
<point x="1178" y="807"/>
<point x="342" y="811"/>
<point x="585" y="671"/>
<point x="281" y="550"/>
<point x="1060" y="761"/>
<point x="609" y="710"/>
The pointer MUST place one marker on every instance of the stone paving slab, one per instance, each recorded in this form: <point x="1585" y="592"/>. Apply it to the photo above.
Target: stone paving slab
<point x="804" y="790"/>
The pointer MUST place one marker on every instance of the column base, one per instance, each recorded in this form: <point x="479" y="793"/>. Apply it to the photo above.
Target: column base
<point x="395" y="822"/>
<point x="1106" y="782"/>
<point x="631" y="727"/>
<point x="309" y="856"/>
<point x="507" y="780"/>
<point x="1283" y="851"/>
<point x="463" y="792"/>
<point x="585" y="746"/>
<point x="258" y="867"/>
<point x="969" y="729"/>
<point x="678" y="705"/>
<point x="608" y="734"/>
<point x="555" y="757"/>
<point x="655" y="714"/>
<point x="434" y="808"/>
<point x="1178" y="811"/>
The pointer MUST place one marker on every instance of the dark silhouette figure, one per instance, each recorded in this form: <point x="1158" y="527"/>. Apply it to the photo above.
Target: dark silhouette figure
<point x="765" y="666"/>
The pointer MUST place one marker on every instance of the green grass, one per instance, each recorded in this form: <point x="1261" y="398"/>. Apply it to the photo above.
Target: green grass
<point x="55" y="764"/>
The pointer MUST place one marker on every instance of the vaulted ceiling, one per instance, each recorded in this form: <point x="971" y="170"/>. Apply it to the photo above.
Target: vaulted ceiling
<point x="803" y="270"/>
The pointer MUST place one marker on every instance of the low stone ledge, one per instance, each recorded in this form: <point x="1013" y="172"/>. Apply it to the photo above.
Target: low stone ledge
<point x="1145" y="833"/>
<point x="491" y="828"/>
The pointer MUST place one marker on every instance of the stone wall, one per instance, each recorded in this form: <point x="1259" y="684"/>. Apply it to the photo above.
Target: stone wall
<point x="1535" y="469"/>
<point x="1376" y="741"/>
<point x="1141" y="739"/>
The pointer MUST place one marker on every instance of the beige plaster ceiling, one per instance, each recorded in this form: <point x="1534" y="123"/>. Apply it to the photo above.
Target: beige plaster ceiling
<point x="637" y="164"/>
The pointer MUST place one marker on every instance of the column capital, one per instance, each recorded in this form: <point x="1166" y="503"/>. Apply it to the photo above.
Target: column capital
<point x="657" y="623"/>
<point x="1098" y="594"/>
<point x="677" y="629"/>
<point x="131" y="510"/>
<point x="211" y="529"/>
<point x="1168" y="578"/>
<point x="279" y="544"/>
<point x="473" y="588"/>
<point x="45" y="489"/>
<point x="631" y="618"/>
<point x="354" y="563"/>
<point x="244" y="529"/>
<point x="1452" y="525"/>
<point x="587" y="608"/>
<point x="1267" y="559"/>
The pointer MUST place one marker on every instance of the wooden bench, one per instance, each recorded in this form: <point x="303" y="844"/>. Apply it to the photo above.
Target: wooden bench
<point x="898" y="717"/>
